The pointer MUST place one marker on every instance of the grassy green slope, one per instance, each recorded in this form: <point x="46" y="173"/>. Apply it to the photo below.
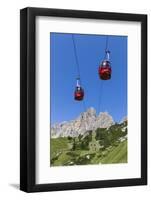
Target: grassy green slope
<point x="117" y="155"/>
<point x="77" y="151"/>
<point x="58" y="144"/>
<point x="63" y="156"/>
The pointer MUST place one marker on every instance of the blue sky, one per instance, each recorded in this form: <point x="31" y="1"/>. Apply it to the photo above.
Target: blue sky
<point x="110" y="95"/>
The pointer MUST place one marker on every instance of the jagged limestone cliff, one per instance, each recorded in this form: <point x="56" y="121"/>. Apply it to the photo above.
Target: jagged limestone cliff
<point x="86" y="121"/>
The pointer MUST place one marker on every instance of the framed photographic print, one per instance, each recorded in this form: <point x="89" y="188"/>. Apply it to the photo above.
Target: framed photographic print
<point x="83" y="99"/>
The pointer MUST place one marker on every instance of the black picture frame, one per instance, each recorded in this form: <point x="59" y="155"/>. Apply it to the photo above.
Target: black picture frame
<point x="28" y="99"/>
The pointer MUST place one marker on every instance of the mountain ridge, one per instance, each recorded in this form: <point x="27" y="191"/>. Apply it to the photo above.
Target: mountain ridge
<point x="85" y="122"/>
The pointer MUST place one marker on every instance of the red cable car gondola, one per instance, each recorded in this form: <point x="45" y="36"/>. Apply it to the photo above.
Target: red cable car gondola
<point x="79" y="92"/>
<point x="105" y="68"/>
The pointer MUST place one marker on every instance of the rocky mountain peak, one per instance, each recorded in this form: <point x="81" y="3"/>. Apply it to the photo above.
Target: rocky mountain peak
<point x="86" y="121"/>
<point x="104" y="120"/>
<point x="91" y="111"/>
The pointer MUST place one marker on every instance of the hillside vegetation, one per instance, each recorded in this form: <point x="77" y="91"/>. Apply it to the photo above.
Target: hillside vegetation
<point x="102" y="146"/>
